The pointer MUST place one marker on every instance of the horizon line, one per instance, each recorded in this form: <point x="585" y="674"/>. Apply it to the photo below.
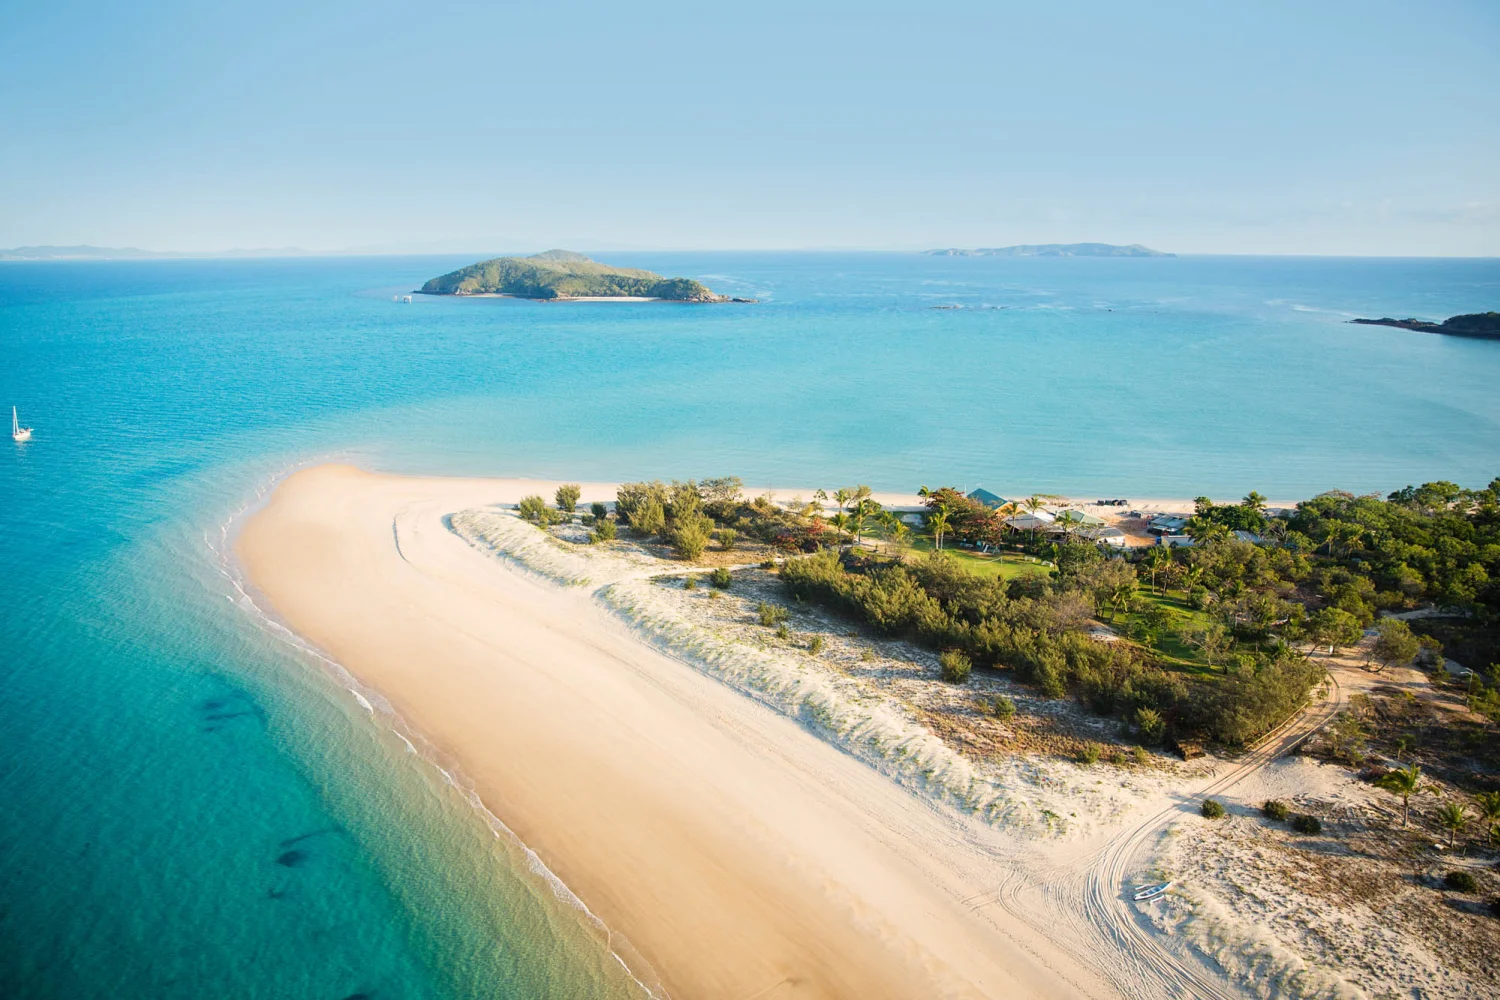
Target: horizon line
<point x="140" y="254"/>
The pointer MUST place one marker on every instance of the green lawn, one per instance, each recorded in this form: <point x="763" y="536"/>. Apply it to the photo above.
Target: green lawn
<point x="1005" y="565"/>
<point x="1171" y="645"/>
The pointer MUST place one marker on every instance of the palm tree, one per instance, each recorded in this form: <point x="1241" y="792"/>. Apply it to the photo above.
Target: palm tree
<point x="1488" y="804"/>
<point x="1453" y="817"/>
<point x="1405" y="782"/>
<point x="840" y="522"/>
<point x="1191" y="574"/>
<point x="1156" y="560"/>
<point x="1254" y="501"/>
<point x="1119" y="597"/>
<point x="1034" y="503"/>
<point x="937" y="522"/>
<point x="863" y="505"/>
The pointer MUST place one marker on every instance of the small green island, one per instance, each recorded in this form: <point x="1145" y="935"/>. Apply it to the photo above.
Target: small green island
<point x="1482" y="326"/>
<point x="561" y="275"/>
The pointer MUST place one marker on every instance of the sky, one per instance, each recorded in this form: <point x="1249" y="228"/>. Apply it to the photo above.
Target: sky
<point x="1331" y="127"/>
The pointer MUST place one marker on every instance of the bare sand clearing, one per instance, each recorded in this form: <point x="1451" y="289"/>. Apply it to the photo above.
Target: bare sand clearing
<point x="738" y="854"/>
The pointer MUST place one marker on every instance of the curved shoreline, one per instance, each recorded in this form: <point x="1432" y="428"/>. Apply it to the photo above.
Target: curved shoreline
<point x="732" y="850"/>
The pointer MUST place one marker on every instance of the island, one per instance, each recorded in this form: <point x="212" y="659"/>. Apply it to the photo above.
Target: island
<point x="1483" y="326"/>
<point x="1055" y="250"/>
<point x="561" y="275"/>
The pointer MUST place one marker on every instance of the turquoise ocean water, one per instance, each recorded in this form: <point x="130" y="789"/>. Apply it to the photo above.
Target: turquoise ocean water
<point x="189" y="806"/>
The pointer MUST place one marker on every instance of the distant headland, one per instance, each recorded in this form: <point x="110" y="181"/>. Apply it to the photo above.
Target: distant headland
<point x="85" y="252"/>
<point x="563" y="275"/>
<point x="1055" y="250"/>
<point x="1483" y="326"/>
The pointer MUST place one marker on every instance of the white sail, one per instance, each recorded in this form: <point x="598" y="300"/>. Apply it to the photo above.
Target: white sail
<point x="17" y="432"/>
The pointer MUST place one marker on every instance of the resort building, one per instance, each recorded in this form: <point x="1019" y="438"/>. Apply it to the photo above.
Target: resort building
<point x="987" y="498"/>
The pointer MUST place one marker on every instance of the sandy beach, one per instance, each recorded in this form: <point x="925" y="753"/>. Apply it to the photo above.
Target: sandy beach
<point x="736" y="853"/>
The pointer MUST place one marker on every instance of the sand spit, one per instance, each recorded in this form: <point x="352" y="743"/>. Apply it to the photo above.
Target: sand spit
<point x="737" y="853"/>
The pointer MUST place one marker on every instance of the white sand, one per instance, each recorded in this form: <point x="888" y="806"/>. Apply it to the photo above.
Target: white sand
<point x="740" y="855"/>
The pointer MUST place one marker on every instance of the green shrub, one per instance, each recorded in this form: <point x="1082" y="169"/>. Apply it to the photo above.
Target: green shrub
<point x="1090" y="753"/>
<point x="690" y="536"/>
<point x="1275" y="809"/>
<point x="721" y="577"/>
<point x="1212" y="809"/>
<point x="1460" y="881"/>
<point x="567" y="496"/>
<point x="782" y="632"/>
<point x="649" y="519"/>
<point x="599" y="511"/>
<point x="815" y="645"/>
<point x="1002" y="707"/>
<point x="714" y="595"/>
<point x="768" y="564"/>
<point x="726" y="538"/>
<point x="534" y="509"/>
<point x="1304" y="823"/>
<point x="690" y="583"/>
<point x="770" y="614"/>
<point x="604" y="531"/>
<point x="955" y="665"/>
<point x="1141" y="756"/>
<point x="1150" y="725"/>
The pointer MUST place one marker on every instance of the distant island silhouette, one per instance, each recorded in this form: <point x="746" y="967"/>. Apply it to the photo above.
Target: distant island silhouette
<point x="1055" y="250"/>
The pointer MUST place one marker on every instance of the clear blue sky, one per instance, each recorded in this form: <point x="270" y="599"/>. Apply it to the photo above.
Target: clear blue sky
<point x="1310" y="127"/>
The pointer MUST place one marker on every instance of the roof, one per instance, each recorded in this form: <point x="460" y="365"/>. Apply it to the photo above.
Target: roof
<point x="987" y="498"/>
<point x="1176" y="541"/>
<point x="1025" y="522"/>
<point x="1080" y="517"/>
<point x="1248" y="536"/>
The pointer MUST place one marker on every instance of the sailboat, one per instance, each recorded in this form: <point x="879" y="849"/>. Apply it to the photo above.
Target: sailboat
<point x="17" y="432"/>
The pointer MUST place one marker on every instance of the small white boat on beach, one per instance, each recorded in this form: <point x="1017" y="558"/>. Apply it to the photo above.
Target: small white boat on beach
<point x="1150" y="892"/>
<point x="17" y="432"/>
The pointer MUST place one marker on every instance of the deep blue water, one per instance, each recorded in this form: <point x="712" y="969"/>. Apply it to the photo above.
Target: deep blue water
<point x="189" y="806"/>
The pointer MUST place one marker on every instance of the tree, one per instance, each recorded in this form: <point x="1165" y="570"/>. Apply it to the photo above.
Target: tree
<point x="1405" y="782"/>
<point x="1211" y="640"/>
<point x="1453" y="817"/>
<point x="690" y="535"/>
<point x="840" y="522"/>
<point x="1488" y="804"/>
<point x="1150" y="725"/>
<point x="1335" y="626"/>
<point x="648" y="518"/>
<point x="1394" y="643"/>
<point x="937" y="523"/>
<point x="567" y="497"/>
<point x="1254" y="501"/>
<point x="863" y="507"/>
<point x="1156" y="560"/>
<point x="534" y="509"/>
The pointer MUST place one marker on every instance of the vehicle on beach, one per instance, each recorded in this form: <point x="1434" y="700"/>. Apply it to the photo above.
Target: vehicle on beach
<point x="1150" y="892"/>
<point x="17" y="432"/>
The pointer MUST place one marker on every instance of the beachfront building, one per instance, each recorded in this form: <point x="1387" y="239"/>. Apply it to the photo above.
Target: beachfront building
<point x="1079" y="519"/>
<point x="990" y="500"/>
<point x="1167" y="524"/>
<point x="1105" y="536"/>
<point x="1175" y="541"/>
<point x="1039" y="520"/>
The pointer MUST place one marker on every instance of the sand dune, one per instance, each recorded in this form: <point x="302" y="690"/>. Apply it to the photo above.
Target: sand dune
<point x="738" y="854"/>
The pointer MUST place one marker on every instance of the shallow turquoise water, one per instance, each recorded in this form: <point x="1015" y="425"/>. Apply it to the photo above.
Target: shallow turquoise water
<point x="164" y="752"/>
